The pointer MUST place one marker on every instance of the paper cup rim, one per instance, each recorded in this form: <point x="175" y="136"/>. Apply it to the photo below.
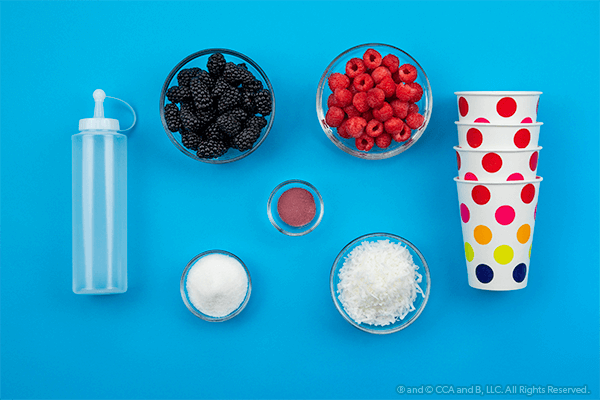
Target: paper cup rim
<point x="524" y="182"/>
<point x="498" y="93"/>
<point x="484" y="124"/>
<point x="497" y="150"/>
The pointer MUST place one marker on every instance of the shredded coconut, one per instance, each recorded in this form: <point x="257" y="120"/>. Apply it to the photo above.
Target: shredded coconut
<point x="379" y="283"/>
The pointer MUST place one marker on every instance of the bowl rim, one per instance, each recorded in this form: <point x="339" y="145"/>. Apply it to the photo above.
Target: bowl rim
<point x="501" y="183"/>
<point x="303" y="183"/>
<point x="485" y="124"/>
<point x="188" y="303"/>
<point x="498" y="93"/>
<point x="339" y="306"/>
<point x="367" y="155"/>
<point x="470" y="150"/>
<point x="174" y="72"/>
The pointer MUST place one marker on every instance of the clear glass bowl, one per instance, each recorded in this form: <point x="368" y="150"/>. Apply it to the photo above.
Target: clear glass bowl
<point x="199" y="60"/>
<point x="339" y="65"/>
<point x="276" y="220"/>
<point x="188" y="303"/>
<point x="420" y="301"/>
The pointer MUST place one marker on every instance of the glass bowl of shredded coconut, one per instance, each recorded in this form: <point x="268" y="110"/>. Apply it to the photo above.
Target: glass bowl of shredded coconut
<point x="380" y="283"/>
<point x="215" y="285"/>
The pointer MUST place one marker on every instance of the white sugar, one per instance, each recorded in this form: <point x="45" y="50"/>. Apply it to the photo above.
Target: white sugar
<point x="217" y="284"/>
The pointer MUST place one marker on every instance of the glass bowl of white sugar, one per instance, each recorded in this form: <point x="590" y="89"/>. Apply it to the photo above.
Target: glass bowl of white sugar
<point x="215" y="285"/>
<point x="380" y="283"/>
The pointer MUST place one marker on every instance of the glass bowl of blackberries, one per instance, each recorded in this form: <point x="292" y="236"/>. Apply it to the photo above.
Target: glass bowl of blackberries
<point x="217" y="106"/>
<point x="374" y="101"/>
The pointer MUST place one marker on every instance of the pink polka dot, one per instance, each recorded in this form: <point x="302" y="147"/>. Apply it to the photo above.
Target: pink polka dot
<point x="463" y="106"/>
<point x="480" y="194"/>
<point x="535" y="212"/>
<point x="537" y="106"/>
<point x="482" y="120"/>
<point x="474" y="137"/>
<point x="469" y="176"/>
<point x="506" y="107"/>
<point x="515" y="177"/>
<point x="458" y="160"/>
<point x="491" y="162"/>
<point x="527" y="120"/>
<point x="464" y="213"/>
<point x="505" y="215"/>
<point x="522" y="138"/>
<point x="528" y="193"/>
<point x="533" y="161"/>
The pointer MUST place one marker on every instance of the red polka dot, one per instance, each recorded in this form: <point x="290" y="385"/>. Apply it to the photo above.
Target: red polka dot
<point x="537" y="106"/>
<point x="528" y="193"/>
<point x="480" y="194"/>
<point x="533" y="161"/>
<point x="482" y="120"/>
<point x="469" y="176"/>
<point x="474" y="137"/>
<point x="515" y="177"/>
<point x="522" y="138"/>
<point x="491" y="162"/>
<point x="505" y="215"/>
<point x="463" y="106"/>
<point x="535" y="212"/>
<point x="458" y="160"/>
<point x="506" y="107"/>
<point x="527" y="120"/>
<point x="464" y="213"/>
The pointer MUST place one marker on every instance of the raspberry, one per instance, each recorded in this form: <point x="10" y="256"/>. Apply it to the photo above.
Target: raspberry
<point x="407" y="73"/>
<point x="374" y="128"/>
<point x="338" y="81"/>
<point x="355" y="67"/>
<point x="343" y="97"/>
<point x="367" y="115"/>
<point x="400" y="108"/>
<point x="383" y="141"/>
<point x="406" y="132"/>
<point x="351" y="111"/>
<point x="375" y="97"/>
<point x="418" y="91"/>
<point x="332" y="101"/>
<point x="393" y="126"/>
<point x="360" y="102"/>
<point x="351" y="88"/>
<point x="388" y="86"/>
<point x="396" y="78"/>
<point x="405" y="92"/>
<point x="355" y="126"/>
<point x="383" y="113"/>
<point x="397" y="136"/>
<point x="392" y="62"/>
<point x="380" y="73"/>
<point x="414" y="121"/>
<point x="364" y="143"/>
<point x="412" y="108"/>
<point x="341" y="130"/>
<point x="363" y="82"/>
<point x="372" y="59"/>
<point x="334" y="116"/>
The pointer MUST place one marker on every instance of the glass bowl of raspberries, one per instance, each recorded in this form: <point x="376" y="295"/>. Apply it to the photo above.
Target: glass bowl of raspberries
<point x="374" y="101"/>
<point x="217" y="106"/>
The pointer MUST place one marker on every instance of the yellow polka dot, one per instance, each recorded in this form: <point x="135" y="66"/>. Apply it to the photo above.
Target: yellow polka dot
<point x="503" y="254"/>
<point x="530" y="250"/>
<point x="524" y="233"/>
<point x="469" y="253"/>
<point x="483" y="234"/>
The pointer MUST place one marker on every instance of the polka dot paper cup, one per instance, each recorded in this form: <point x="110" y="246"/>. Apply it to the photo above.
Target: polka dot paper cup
<point x="497" y="224"/>
<point x="498" y="107"/>
<point x="498" y="137"/>
<point x="497" y="165"/>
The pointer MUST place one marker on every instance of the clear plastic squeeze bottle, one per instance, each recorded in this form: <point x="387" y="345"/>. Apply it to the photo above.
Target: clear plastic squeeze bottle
<point x="100" y="204"/>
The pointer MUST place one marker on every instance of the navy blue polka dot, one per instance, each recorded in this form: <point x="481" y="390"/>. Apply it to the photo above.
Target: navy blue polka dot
<point x="484" y="273"/>
<point x="520" y="272"/>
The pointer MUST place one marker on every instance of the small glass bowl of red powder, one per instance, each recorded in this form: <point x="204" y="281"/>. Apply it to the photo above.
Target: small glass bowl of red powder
<point x="295" y="207"/>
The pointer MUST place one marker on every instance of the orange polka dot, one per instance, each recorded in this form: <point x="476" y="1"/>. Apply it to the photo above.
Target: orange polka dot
<point x="524" y="233"/>
<point x="482" y="234"/>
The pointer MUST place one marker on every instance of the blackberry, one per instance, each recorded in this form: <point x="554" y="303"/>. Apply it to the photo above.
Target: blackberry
<point x="256" y="122"/>
<point x="262" y="102"/>
<point x="200" y="93"/>
<point x="236" y="75"/>
<point x="205" y="78"/>
<point x="229" y="100"/>
<point x="188" y="106"/>
<point x="253" y="86"/>
<point x="190" y="140"/>
<point x="238" y="114"/>
<point x="177" y="94"/>
<point x="185" y="75"/>
<point x="214" y="133"/>
<point x="221" y="86"/>
<point x="211" y="149"/>
<point x="229" y="125"/>
<point x="245" y="139"/>
<point x="206" y="115"/>
<point x="247" y="101"/>
<point x="172" y="117"/>
<point x="190" y="122"/>
<point x="216" y="64"/>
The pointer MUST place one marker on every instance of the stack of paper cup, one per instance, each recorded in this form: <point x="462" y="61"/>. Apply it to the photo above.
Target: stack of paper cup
<point x="498" y="186"/>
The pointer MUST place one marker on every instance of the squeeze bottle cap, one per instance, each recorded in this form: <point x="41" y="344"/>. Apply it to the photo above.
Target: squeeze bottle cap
<point x="99" y="122"/>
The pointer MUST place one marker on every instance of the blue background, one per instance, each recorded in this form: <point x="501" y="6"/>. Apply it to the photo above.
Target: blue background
<point x="290" y="341"/>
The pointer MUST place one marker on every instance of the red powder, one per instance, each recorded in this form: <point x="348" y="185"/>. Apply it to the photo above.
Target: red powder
<point x="296" y="207"/>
